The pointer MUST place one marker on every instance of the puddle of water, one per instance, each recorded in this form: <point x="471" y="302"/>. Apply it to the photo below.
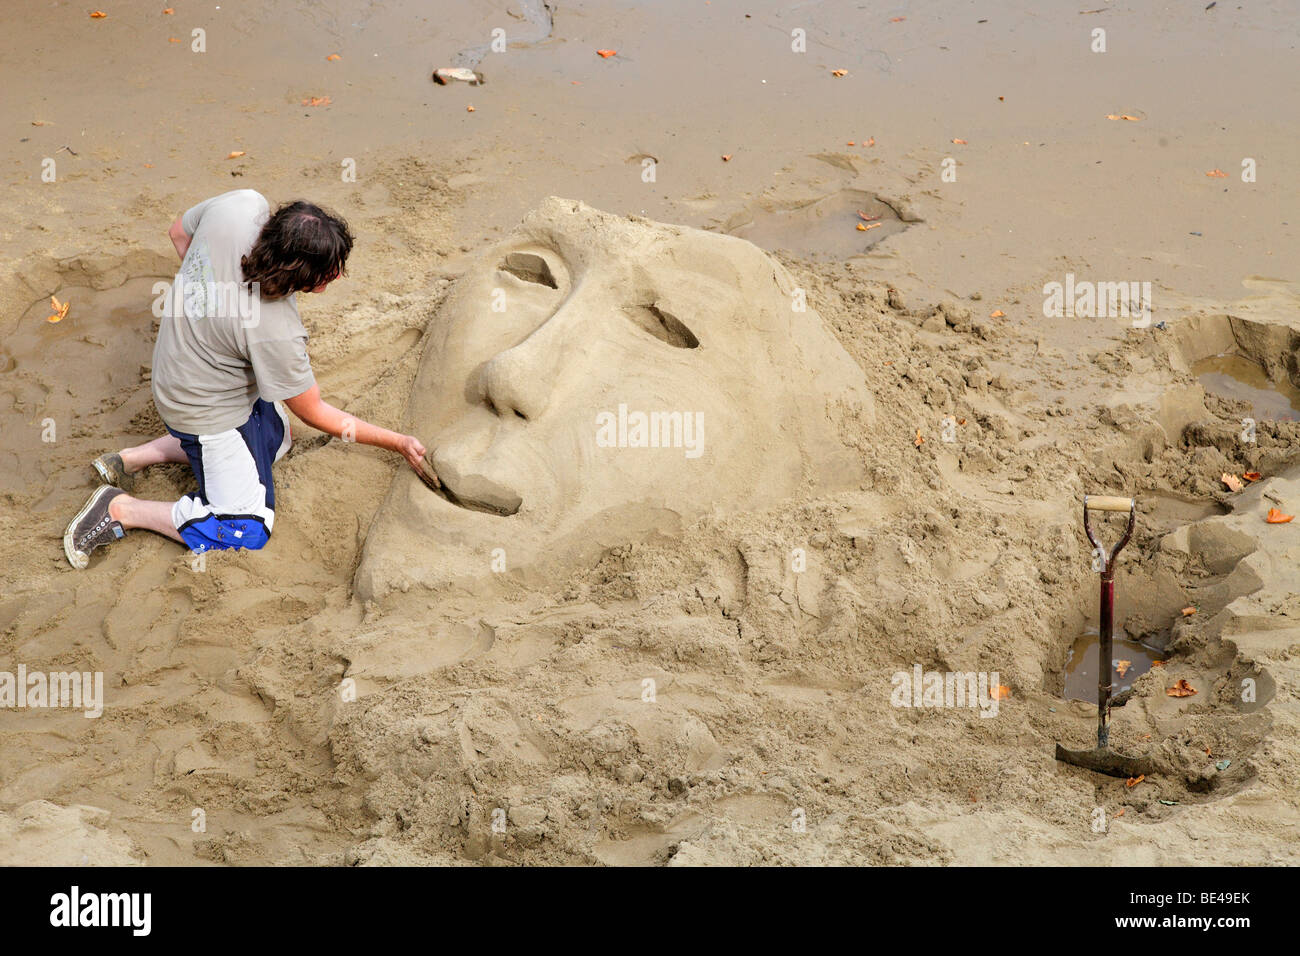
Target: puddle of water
<point x="823" y="228"/>
<point x="1235" y="376"/>
<point x="1081" y="665"/>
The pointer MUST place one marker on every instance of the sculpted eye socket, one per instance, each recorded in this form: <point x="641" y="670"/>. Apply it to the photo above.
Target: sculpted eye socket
<point x="529" y="267"/>
<point x="663" y="325"/>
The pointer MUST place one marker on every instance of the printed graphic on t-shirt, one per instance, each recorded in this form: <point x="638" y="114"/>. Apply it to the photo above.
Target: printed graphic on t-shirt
<point x="197" y="280"/>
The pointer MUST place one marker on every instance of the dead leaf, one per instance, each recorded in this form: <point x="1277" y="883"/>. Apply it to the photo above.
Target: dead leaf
<point x="1132" y="782"/>
<point x="1276" y="517"/>
<point x="1121" y="667"/>
<point x="1217" y="174"/>
<point x="897" y="19"/>
<point x="850" y="142"/>
<point x="1181" y="689"/>
<point x="173" y="40"/>
<point x="469" y="109"/>
<point x="862" y="227"/>
<point x="605" y="54"/>
<point x="333" y="56"/>
<point x="1120" y="812"/>
<point x="1157" y="663"/>
<point x="919" y="440"/>
<point x="98" y="15"/>
<point x="1189" y="611"/>
<point x="871" y="225"/>
<point x="865" y="218"/>
<point x="961" y="421"/>
<point x="236" y="153"/>
<point x="1123" y="116"/>
<point x="839" y="72"/>
<point x="1232" y="482"/>
<point x="169" y="11"/>
<point x="726" y="157"/>
<point x="41" y="123"/>
<point x="997" y="314"/>
<point x="60" y="310"/>
<point x="999" y="691"/>
<point x="1252" y="475"/>
<point x="148" y="165"/>
<point x="317" y="101"/>
<point x="871" y="141"/>
<point x="960" y="142"/>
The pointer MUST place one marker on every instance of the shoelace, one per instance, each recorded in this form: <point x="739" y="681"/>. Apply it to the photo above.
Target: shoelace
<point x="94" y="532"/>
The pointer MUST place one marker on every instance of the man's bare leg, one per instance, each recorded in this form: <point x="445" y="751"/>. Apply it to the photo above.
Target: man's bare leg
<point x="145" y="514"/>
<point x="162" y="449"/>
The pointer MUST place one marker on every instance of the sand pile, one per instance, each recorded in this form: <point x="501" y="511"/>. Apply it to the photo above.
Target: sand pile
<point x="712" y="685"/>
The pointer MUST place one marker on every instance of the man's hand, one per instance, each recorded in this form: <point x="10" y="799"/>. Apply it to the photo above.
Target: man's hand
<point x="320" y="414"/>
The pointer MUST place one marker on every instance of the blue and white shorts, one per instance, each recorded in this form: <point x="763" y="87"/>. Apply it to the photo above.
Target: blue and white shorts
<point x="235" y="504"/>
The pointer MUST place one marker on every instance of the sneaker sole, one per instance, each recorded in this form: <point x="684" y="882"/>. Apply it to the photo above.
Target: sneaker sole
<point x="79" y="559"/>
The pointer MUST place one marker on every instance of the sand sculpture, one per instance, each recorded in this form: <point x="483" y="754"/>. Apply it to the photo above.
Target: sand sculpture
<point x="596" y="377"/>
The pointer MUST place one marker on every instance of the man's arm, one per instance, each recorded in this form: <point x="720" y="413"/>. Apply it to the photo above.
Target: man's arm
<point x="321" y="415"/>
<point x="179" y="237"/>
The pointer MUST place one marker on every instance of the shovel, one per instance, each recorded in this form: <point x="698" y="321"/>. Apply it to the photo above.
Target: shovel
<point x="1102" y="759"/>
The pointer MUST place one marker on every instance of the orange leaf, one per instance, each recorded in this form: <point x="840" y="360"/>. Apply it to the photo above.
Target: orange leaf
<point x="871" y="141"/>
<point x="960" y="142"/>
<point x="1276" y="517"/>
<point x="173" y="40"/>
<point x="469" y="109"/>
<point x="148" y="165"/>
<point x="1157" y="663"/>
<point x="1232" y="482"/>
<point x="997" y="314"/>
<point x="1188" y="611"/>
<point x="236" y="153"/>
<point x="1120" y="812"/>
<point x="1132" y="782"/>
<point x="961" y="421"/>
<point x="1217" y="174"/>
<point x="1181" y="689"/>
<point x="317" y="101"/>
<point x="98" y="15"/>
<point x="169" y="11"/>
<point x="850" y="142"/>
<point x="333" y="56"/>
<point x="41" y="123"/>
<point x="606" y="54"/>
<point x="897" y="19"/>
<point x="839" y="72"/>
<point x="919" y="440"/>
<point x="1121" y="667"/>
<point x="1252" y="475"/>
<point x="60" y="310"/>
<point x="1000" y="692"/>
<point x="726" y="157"/>
<point x="862" y="227"/>
<point x="1123" y="116"/>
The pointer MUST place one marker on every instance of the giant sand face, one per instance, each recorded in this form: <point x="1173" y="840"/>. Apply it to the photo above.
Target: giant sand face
<point x="596" y="377"/>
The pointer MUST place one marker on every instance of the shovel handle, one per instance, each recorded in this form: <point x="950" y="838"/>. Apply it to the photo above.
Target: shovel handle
<point x="1107" y="503"/>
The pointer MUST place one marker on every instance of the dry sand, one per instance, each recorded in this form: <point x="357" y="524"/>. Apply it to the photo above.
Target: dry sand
<point x="519" y="698"/>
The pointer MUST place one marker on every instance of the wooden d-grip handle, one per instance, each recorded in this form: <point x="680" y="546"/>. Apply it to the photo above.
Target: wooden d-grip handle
<point x="1107" y="503"/>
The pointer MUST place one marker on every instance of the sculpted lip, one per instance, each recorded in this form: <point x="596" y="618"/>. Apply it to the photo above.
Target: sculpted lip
<point x="470" y="489"/>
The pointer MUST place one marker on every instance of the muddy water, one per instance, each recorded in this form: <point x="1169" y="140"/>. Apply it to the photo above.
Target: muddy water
<point x="1235" y="376"/>
<point x="1081" y="665"/>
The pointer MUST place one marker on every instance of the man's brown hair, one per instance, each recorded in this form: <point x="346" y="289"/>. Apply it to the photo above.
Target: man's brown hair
<point x="300" y="247"/>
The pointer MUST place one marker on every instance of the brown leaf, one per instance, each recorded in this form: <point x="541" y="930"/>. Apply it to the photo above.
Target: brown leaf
<point x="236" y="153"/>
<point x="1120" y="812"/>
<point x="997" y="314"/>
<point x="865" y="218"/>
<point x="1123" y="116"/>
<point x="1181" y="689"/>
<point x="960" y="142"/>
<point x="919" y="440"/>
<point x="1276" y="517"/>
<point x="169" y="11"/>
<point x="726" y="157"/>
<point x="1132" y="782"/>
<point x="839" y="72"/>
<point x="60" y="310"/>
<point x="1189" y="611"/>
<point x="469" y="109"/>
<point x="41" y="123"/>
<point x="1252" y="475"/>
<point x="1232" y="482"/>
<point x="1121" y="667"/>
<point x="897" y="19"/>
<point x="317" y="101"/>
<point x="871" y="141"/>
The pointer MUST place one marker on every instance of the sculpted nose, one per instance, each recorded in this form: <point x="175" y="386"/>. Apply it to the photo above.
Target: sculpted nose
<point x="520" y="381"/>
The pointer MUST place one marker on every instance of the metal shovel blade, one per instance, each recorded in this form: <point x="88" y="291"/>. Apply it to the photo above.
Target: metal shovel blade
<point x="1104" y="760"/>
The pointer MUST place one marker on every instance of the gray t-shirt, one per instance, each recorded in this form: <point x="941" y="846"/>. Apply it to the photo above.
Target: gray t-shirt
<point x="221" y="346"/>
